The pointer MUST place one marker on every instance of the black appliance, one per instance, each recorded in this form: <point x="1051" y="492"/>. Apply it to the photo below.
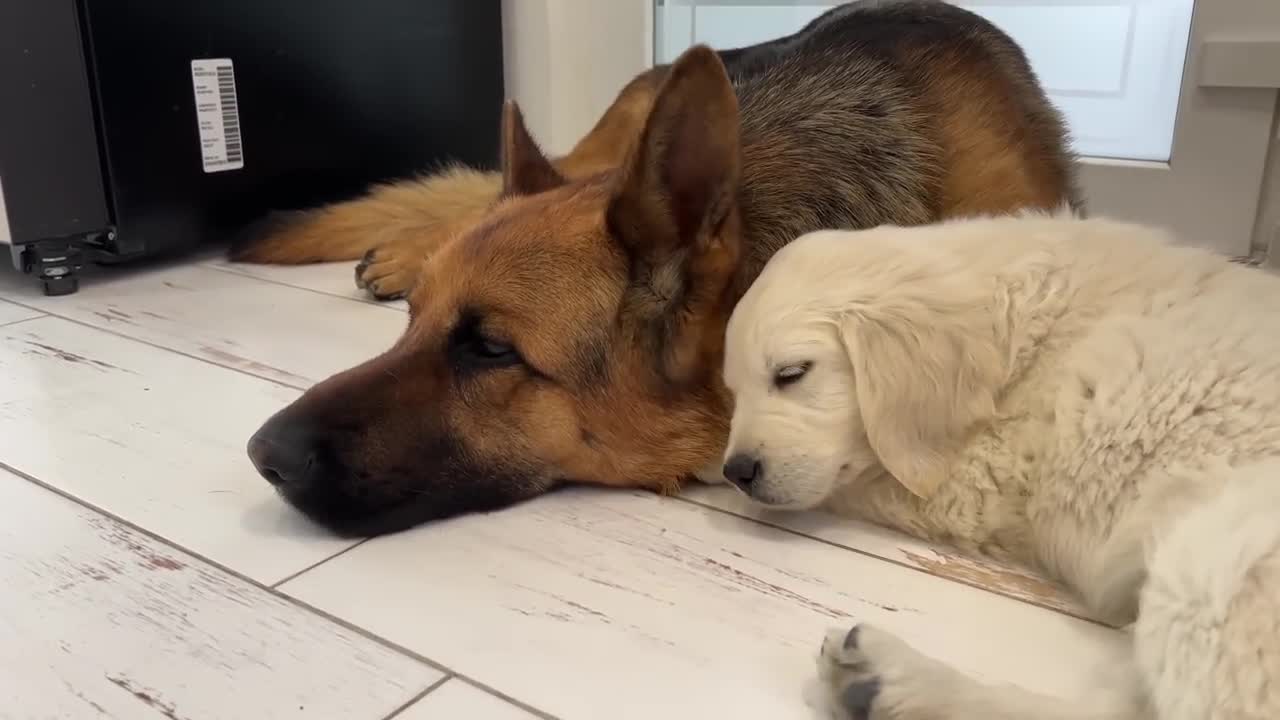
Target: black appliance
<point x="135" y="128"/>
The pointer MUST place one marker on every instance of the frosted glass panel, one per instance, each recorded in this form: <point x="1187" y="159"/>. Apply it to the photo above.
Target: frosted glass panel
<point x="1113" y="68"/>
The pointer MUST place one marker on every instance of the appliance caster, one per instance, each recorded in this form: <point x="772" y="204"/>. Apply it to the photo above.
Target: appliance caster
<point x="57" y="264"/>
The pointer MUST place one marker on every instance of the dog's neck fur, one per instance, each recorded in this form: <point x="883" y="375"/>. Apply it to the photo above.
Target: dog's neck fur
<point x="840" y="163"/>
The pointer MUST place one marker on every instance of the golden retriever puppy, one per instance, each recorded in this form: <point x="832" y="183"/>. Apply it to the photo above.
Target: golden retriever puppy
<point x="1083" y="396"/>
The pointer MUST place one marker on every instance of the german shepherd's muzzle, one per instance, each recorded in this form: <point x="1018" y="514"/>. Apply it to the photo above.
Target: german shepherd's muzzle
<point x="348" y="456"/>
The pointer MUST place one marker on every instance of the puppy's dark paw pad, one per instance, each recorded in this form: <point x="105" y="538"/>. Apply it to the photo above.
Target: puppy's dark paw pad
<point x="842" y="649"/>
<point x="852" y="679"/>
<point x="871" y="674"/>
<point x="851" y="639"/>
<point x="858" y="697"/>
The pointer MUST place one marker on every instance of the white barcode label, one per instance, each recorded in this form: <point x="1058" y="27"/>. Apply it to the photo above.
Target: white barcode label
<point x="217" y="114"/>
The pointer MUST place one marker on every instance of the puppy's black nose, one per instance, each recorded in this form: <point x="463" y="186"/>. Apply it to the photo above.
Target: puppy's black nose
<point x="286" y="454"/>
<point x="742" y="470"/>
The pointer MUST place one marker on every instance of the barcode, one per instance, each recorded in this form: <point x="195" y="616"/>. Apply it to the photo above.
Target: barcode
<point x="217" y="114"/>
<point x="230" y="114"/>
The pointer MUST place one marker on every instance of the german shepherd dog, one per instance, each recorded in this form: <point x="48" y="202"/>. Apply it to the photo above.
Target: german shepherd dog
<point x="567" y="316"/>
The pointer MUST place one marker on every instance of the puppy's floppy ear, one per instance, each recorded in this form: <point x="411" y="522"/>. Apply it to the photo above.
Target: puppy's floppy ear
<point x="927" y="366"/>
<point x="525" y="169"/>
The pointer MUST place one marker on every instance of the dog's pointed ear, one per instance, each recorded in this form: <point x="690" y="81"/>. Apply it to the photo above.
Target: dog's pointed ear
<point x="525" y="169"/>
<point x="674" y="211"/>
<point x="927" y="367"/>
<point x="680" y="180"/>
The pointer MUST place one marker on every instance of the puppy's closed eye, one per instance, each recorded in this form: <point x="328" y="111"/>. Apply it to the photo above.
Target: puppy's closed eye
<point x="791" y="374"/>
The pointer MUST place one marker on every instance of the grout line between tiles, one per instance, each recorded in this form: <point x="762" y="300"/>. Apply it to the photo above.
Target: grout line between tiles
<point x="25" y="319"/>
<point x="278" y="593"/>
<point x="507" y="698"/>
<point x="318" y="563"/>
<point x="281" y="283"/>
<point x="416" y="698"/>
<point x="157" y="346"/>
<point x="882" y="558"/>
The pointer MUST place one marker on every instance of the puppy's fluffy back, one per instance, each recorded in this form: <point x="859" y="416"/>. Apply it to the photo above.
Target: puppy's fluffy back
<point x="1099" y="260"/>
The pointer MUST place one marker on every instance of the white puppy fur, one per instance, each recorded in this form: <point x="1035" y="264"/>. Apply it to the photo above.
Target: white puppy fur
<point x="1082" y="396"/>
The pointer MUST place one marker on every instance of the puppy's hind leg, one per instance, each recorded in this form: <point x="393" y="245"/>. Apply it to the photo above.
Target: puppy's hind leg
<point x="1207" y="636"/>
<point x="870" y="674"/>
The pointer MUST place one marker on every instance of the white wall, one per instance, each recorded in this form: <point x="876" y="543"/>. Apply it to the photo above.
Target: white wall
<point x="5" y="238"/>
<point x="567" y="59"/>
<point x="1266" y="234"/>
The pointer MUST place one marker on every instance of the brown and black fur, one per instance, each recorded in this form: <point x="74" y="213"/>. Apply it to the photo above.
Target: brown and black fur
<point x="567" y="316"/>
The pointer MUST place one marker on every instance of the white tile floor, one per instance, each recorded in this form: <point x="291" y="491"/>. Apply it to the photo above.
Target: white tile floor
<point x="148" y="572"/>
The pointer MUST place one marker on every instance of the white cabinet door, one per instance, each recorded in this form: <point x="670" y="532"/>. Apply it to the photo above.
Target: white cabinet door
<point x="566" y="60"/>
<point x="1171" y="102"/>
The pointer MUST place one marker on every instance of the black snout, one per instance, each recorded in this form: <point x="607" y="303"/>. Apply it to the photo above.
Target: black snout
<point x="742" y="470"/>
<point x="325" y="472"/>
<point x="287" y="455"/>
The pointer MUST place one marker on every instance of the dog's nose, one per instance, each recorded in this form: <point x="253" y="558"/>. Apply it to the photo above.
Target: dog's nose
<point x="285" y="454"/>
<point x="742" y="470"/>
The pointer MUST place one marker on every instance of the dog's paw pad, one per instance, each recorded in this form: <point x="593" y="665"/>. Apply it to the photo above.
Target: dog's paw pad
<point x="851" y="638"/>
<point x="385" y="274"/>
<point x="857" y="698"/>
<point x="871" y="674"/>
<point x="853" y="679"/>
<point x="387" y="295"/>
<point x="362" y="268"/>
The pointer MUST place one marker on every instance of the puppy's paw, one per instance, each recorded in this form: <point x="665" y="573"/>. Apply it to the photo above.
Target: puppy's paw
<point x="388" y="272"/>
<point x="870" y="674"/>
<point x="850" y="677"/>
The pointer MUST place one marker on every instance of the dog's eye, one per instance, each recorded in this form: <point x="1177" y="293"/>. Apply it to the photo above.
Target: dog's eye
<point x="470" y="346"/>
<point x="489" y="351"/>
<point x="790" y="374"/>
<point x="493" y="349"/>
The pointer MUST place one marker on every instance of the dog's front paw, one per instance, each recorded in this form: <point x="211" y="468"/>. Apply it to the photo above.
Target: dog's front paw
<point x="870" y="674"/>
<point x="388" y="272"/>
